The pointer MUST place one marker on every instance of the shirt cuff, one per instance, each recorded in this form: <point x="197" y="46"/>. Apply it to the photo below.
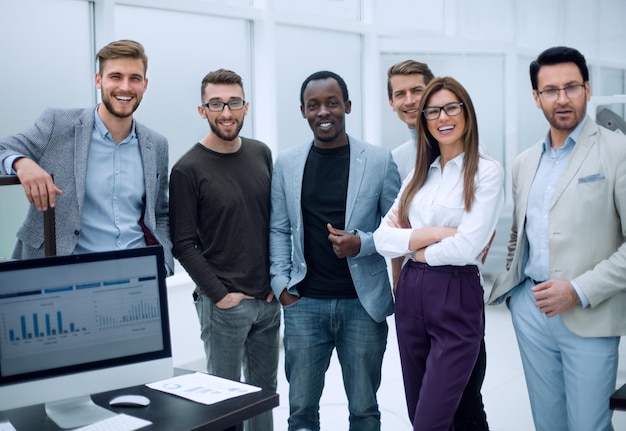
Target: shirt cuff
<point x="8" y="163"/>
<point x="581" y="295"/>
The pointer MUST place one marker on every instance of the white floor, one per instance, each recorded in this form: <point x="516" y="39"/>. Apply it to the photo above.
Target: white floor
<point x="504" y="390"/>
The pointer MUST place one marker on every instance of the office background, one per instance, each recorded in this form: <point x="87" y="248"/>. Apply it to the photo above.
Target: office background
<point x="47" y="49"/>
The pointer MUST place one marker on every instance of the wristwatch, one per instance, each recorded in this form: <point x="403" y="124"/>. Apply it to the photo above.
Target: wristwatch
<point x="412" y="255"/>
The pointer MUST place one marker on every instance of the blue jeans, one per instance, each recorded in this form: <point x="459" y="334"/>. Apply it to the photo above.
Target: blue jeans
<point x="247" y="336"/>
<point x="313" y="328"/>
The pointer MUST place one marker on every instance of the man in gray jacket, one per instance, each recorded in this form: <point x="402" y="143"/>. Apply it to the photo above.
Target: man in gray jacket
<point x="328" y="197"/>
<point x="105" y="174"/>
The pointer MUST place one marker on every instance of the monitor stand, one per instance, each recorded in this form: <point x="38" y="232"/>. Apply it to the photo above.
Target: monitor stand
<point x="76" y="412"/>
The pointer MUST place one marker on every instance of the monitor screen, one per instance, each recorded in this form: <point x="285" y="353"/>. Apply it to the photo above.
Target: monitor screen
<point x="75" y="325"/>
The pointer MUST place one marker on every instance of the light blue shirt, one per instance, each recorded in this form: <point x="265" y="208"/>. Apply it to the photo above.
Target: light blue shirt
<point x="114" y="193"/>
<point x="551" y="166"/>
<point x="8" y="163"/>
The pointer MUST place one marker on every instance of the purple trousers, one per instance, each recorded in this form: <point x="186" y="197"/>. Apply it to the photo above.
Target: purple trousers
<point x="440" y="324"/>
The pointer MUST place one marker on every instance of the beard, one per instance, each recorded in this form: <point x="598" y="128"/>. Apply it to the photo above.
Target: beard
<point x="225" y="136"/>
<point x="565" y="123"/>
<point x="107" y="102"/>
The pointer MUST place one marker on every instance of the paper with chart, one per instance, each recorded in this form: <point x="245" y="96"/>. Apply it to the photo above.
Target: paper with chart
<point x="203" y="388"/>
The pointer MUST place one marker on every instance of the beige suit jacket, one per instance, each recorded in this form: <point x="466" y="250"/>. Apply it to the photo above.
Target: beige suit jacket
<point x="587" y="230"/>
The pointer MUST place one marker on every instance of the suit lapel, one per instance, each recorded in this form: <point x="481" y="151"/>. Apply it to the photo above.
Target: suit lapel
<point x="526" y="180"/>
<point x="355" y="176"/>
<point x="297" y="173"/>
<point x="579" y="154"/>
<point x="148" y="158"/>
<point x="82" y="140"/>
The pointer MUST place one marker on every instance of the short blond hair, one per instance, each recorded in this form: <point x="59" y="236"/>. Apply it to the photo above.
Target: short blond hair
<point x="408" y="67"/>
<point x="122" y="49"/>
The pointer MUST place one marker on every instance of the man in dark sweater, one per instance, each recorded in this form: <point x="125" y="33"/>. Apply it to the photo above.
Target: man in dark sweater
<point x="219" y="221"/>
<point x="328" y="196"/>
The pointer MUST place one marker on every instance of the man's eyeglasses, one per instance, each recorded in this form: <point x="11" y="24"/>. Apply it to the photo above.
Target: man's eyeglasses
<point x="571" y="91"/>
<point x="233" y="105"/>
<point x="451" y="109"/>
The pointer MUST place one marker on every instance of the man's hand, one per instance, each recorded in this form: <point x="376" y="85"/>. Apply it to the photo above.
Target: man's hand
<point x="554" y="297"/>
<point x="344" y="243"/>
<point x="231" y="300"/>
<point x="38" y="185"/>
<point x="269" y="297"/>
<point x="287" y="298"/>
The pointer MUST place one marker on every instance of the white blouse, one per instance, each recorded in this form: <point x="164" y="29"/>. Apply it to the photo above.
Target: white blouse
<point x="440" y="203"/>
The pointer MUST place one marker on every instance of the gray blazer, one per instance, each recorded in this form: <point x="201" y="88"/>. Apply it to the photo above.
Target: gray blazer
<point x="587" y="230"/>
<point x="373" y="184"/>
<point x="59" y="142"/>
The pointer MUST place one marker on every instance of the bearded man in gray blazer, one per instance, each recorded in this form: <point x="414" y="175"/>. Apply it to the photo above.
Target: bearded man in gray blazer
<point x="566" y="266"/>
<point x="105" y="174"/>
<point x="328" y="197"/>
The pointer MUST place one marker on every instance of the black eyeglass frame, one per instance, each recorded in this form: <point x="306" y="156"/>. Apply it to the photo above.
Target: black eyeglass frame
<point x="443" y="108"/>
<point x="224" y="104"/>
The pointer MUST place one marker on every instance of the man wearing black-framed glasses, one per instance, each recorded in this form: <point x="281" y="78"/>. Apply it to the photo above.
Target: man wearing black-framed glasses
<point x="219" y="219"/>
<point x="567" y="255"/>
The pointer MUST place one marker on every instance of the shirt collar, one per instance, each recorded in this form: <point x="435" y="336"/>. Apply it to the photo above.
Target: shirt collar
<point x="104" y="132"/>
<point x="571" y="139"/>
<point x="457" y="161"/>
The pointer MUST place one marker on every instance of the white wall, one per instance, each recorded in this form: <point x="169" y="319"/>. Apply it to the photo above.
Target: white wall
<point x="45" y="63"/>
<point x="48" y="47"/>
<point x="275" y="44"/>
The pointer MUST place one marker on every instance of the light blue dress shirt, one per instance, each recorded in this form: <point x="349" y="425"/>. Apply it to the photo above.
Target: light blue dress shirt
<point x="114" y="193"/>
<point x="551" y="166"/>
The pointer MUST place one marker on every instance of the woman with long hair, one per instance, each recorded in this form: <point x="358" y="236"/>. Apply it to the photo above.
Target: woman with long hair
<point x="442" y="221"/>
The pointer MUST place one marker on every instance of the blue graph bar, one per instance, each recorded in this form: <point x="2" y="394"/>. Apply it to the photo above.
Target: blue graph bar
<point x="60" y="322"/>
<point x="135" y="313"/>
<point x="38" y="330"/>
<point x="36" y="325"/>
<point x="23" y="322"/>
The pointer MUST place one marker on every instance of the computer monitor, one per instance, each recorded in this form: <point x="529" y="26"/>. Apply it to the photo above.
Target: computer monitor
<point x="75" y="325"/>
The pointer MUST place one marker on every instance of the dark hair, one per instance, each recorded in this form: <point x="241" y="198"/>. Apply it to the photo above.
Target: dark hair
<point x="408" y="67"/>
<point x="220" y="76"/>
<point x="324" y="74"/>
<point x="428" y="148"/>
<point x="557" y="55"/>
<point x="122" y="49"/>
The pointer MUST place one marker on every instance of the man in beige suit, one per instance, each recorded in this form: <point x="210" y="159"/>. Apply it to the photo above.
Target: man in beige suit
<point x="566" y="267"/>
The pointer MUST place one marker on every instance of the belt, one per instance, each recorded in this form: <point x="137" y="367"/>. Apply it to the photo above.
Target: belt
<point x="445" y="268"/>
